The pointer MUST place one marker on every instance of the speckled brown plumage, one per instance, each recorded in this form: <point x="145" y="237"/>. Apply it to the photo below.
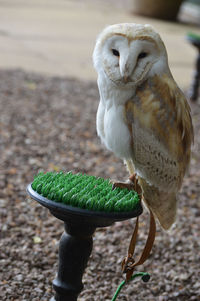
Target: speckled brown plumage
<point x="143" y="117"/>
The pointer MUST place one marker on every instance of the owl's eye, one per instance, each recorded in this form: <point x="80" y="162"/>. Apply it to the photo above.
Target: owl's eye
<point x="142" y="55"/>
<point x="115" y="52"/>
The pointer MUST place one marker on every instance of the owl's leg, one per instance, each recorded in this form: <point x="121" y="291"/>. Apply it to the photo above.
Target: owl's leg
<point x="130" y="166"/>
<point x="133" y="177"/>
<point x="132" y="182"/>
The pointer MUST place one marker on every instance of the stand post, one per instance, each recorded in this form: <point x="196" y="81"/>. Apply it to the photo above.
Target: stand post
<point x="74" y="251"/>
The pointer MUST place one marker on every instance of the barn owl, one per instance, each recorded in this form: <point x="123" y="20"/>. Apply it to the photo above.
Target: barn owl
<point x="143" y="117"/>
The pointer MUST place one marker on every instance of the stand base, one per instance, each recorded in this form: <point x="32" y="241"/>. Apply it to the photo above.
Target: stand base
<point x="76" y="242"/>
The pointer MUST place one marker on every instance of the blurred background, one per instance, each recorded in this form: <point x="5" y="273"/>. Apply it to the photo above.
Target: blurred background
<point x="56" y="37"/>
<point x="48" y="104"/>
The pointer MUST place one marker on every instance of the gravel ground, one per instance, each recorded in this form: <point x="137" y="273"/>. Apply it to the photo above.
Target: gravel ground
<point x="49" y="124"/>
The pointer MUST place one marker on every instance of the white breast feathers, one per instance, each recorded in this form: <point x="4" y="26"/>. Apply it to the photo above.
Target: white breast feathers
<point x="112" y="129"/>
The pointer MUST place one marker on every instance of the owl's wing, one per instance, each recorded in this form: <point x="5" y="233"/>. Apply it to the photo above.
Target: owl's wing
<point x="160" y="123"/>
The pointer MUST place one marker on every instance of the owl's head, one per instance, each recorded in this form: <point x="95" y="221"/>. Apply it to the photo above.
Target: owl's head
<point x="127" y="53"/>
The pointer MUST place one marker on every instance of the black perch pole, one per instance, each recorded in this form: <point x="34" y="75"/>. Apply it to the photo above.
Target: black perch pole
<point x="194" y="91"/>
<point x="74" y="251"/>
<point x="76" y="242"/>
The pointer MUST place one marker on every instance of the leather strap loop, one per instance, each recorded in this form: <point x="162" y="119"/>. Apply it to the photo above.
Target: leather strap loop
<point x="128" y="263"/>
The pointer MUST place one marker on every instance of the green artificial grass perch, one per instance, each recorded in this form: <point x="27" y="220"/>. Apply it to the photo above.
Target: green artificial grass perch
<point x="85" y="192"/>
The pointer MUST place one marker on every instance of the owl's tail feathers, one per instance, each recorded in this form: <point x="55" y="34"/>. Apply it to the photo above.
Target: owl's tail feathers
<point x="162" y="204"/>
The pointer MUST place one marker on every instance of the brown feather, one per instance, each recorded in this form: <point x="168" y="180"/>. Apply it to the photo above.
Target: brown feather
<point x="162" y="204"/>
<point x="160" y="107"/>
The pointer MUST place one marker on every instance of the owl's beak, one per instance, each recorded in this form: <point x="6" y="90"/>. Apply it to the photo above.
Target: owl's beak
<point x="124" y="68"/>
<point x="125" y="73"/>
<point x="125" y="79"/>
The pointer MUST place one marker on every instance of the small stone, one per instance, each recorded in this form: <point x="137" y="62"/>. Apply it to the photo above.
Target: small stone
<point x="37" y="239"/>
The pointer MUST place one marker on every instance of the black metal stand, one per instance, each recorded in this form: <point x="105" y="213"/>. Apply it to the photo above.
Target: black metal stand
<point x="194" y="89"/>
<point x="76" y="242"/>
<point x="74" y="251"/>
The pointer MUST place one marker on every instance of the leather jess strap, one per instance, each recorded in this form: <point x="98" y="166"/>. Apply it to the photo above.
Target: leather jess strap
<point x="128" y="263"/>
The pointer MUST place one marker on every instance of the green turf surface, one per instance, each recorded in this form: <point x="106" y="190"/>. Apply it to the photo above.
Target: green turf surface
<point x="84" y="191"/>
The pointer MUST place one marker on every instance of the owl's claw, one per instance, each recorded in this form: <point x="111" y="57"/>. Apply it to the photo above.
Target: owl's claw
<point x="127" y="185"/>
<point x="131" y="184"/>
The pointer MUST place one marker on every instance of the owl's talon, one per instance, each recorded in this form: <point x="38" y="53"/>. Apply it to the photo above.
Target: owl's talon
<point x="131" y="184"/>
<point x="128" y="185"/>
<point x="136" y="185"/>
